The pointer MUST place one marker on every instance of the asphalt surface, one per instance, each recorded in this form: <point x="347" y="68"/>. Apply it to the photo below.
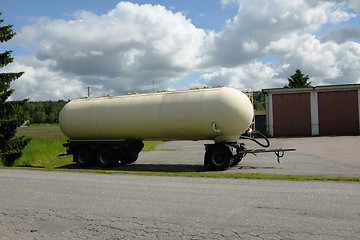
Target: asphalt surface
<point x="322" y="156"/>
<point x="71" y="205"/>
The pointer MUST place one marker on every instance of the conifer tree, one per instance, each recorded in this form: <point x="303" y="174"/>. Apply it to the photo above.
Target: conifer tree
<point x="298" y="80"/>
<point x="11" y="147"/>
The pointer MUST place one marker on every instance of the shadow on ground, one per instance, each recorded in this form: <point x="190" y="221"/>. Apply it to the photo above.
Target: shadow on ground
<point x="163" y="168"/>
<point x="146" y="168"/>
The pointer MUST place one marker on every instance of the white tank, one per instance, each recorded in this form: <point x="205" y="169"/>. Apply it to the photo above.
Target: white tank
<point x="221" y="114"/>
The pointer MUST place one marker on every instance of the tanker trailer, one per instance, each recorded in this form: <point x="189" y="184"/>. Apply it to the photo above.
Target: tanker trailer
<point x="109" y="130"/>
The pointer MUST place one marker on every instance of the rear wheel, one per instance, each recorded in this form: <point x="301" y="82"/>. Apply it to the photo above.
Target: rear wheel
<point x="105" y="157"/>
<point x="218" y="158"/>
<point x="83" y="157"/>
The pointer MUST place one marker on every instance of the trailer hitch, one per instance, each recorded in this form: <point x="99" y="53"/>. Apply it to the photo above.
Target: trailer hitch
<point x="280" y="152"/>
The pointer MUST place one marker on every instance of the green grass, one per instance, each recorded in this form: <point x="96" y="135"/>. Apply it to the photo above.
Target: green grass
<point x="43" y="152"/>
<point x="46" y="145"/>
<point x="40" y="130"/>
<point x="150" y="145"/>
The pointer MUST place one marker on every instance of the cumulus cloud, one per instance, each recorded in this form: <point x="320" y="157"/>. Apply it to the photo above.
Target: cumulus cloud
<point x="326" y="63"/>
<point x="256" y="75"/>
<point x="40" y="82"/>
<point x="258" y="23"/>
<point x="133" y="46"/>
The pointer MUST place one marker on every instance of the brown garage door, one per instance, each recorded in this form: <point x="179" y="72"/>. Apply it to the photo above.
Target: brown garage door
<point x="338" y="112"/>
<point x="292" y="116"/>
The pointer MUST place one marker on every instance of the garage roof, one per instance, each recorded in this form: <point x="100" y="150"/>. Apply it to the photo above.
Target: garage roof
<point x="316" y="88"/>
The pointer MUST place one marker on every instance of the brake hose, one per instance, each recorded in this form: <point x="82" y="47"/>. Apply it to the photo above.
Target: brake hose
<point x="253" y="134"/>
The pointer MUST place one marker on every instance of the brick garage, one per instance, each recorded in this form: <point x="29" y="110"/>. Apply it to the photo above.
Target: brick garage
<point x="323" y="110"/>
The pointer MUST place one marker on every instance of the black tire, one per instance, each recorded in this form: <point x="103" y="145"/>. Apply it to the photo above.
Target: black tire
<point x="105" y="157"/>
<point x="82" y="157"/>
<point x="129" y="159"/>
<point x="218" y="158"/>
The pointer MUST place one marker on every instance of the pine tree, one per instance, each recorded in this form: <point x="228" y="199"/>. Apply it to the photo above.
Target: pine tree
<point x="11" y="147"/>
<point x="298" y="80"/>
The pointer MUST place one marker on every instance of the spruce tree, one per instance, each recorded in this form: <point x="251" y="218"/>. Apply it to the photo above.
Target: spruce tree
<point x="11" y="147"/>
<point x="298" y="80"/>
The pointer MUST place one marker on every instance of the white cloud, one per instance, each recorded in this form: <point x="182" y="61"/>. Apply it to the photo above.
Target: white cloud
<point x="258" y="75"/>
<point x="263" y="22"/>
<point x="286" y="29"/>
<point x="40" y="82"/>
<point x="134" y="45"/>
<point x="250" y="46"/>
<point x="130" y="45"/>
<point x="326" y="63"/>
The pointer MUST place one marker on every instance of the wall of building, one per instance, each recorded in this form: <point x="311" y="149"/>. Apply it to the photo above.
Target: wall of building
<point x="324" y="110"/>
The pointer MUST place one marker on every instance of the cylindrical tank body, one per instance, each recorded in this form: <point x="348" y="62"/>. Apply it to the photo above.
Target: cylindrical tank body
<point x="221" y="114"/>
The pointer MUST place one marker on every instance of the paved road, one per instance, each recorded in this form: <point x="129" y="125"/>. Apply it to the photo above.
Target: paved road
<point x="324" y="156"/>
<point x="65" y="205"/>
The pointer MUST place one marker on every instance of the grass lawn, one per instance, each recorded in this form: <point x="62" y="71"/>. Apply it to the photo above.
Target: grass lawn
<point x="40" y="130"/>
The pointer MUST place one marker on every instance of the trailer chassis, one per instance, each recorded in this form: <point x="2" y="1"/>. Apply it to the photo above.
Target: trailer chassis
<point x="218" y="156"/>
<point x="103" y="153"/>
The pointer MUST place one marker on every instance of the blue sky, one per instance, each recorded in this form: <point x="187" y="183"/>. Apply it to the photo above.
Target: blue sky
<point x="201" y="12"/>
<point x="118" y="47"/>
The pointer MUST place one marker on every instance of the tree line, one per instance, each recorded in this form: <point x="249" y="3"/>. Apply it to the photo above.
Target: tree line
<point x="259" y="100"/>
<point x="42" y="112"/>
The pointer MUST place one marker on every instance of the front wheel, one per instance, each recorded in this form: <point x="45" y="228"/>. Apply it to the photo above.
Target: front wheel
<point x="105" y="157"/>
<point x="218" y="158"/>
